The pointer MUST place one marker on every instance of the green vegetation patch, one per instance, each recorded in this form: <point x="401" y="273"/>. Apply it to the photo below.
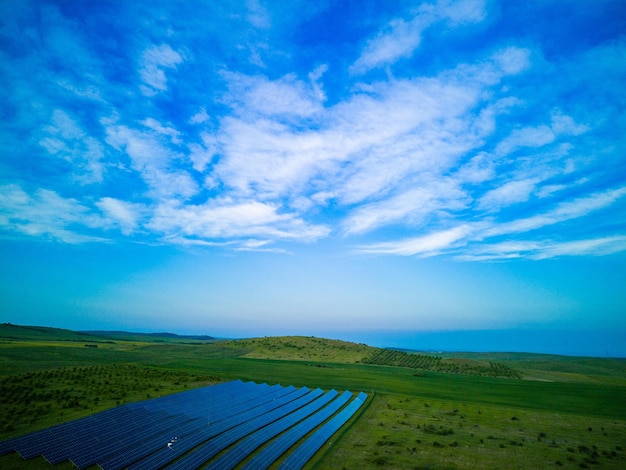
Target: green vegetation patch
<point x="392" y="357"/>
<point x="39" y="399"/>
<point x="10" y="332"/>
<point x="421" y="416"/>
<point x="409" y="432"/>
<point x="301" y="348"/>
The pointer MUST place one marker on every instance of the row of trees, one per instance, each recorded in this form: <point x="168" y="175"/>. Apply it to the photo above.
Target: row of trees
<point x="34" y="397"/>
<point x="391" y="357"/>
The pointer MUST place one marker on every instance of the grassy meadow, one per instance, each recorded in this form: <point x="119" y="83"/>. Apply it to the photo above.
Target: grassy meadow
<point x="550" y="411"/>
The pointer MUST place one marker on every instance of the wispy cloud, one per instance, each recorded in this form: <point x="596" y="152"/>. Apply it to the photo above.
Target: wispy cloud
<point x="564" y="211"/>
<point x="227" y="220"/>
<point x="537" y="250"/>
<point x="507" y="194"/>
<point x="64" y="139"/>
<point x="238" y="132"/>
<point x="124" y="214"/>
<point x="540" y="135"/>
<point x="411" y="207"/>
<point x="473" y="238"/>
<point x="154" y="61"/>
<point x="46" y="215"/>
<point x="153" y="159"/>
<point x="401" y="37"/>
<point x="426" y="245"/>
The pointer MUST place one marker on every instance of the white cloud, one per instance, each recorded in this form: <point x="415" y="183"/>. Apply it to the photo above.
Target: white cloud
<point x="285" y="96"/>
<point x="473" y="235"/>
<point x="46" y="214"/>
<point x="398" y="40"/>
<point x="562" y="212"/>
<point x="545" y="249"/>
<point x="427" y="245"/>
<point x="200" y="117"/>
<point x="281" y="138"/>
<point x="168" y="131"/>
<point x="512" y="60"/>
<point x="202" y="154"/>
<point x="509" y="193"/>
<point x="65" y="139"/>
<point x="526" y="137"/>
<point x="565" y="125"/>
<point x="478" y="169"/>
<point x="378" y="152"/>
<point x="550" y="189"/>
<point x="225" y="219"/>
<point x="401" y="37"/>
<point x="153" y="159"/>
<point x="122" y="213"/>
<point x="153" y="62"/>
<point x="595" y="247"/>
<point x="318" y="88"/>
<point x="257" y="14"/>
<point x="237" y="159"/>
<point x="540" y="136"/>
<point x="409" y="208"/>
<point x="463" y="11"/>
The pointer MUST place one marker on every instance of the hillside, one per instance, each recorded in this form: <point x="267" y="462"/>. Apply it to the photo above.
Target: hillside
<point x="9" y="331"/>
<point x="447" y="410"/>
<point x="157" y="337"/>
<point x="301" y="348"/>
<point x="528" y="366"/>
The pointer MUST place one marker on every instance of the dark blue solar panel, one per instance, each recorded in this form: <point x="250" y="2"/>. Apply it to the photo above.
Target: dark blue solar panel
<point x="192" y="426"/>
<point x="156" y="449"/>
<point x="150" y="444"/>
<point x="248" y="445"/>
<point x="99" y="431"/>
<point x="204" y="453"/>
<point x="307" y="449"/>
<point x="115" y="438"/>
<point x="198" y="402"/>
<point x="257" y="408"/>
<point x="279" y="446"/>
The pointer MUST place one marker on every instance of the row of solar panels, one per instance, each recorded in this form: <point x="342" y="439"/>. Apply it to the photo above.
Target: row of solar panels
<point x="189" y="429"/>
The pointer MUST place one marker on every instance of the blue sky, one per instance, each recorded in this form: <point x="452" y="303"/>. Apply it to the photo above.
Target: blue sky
<point x="337" y="168"/>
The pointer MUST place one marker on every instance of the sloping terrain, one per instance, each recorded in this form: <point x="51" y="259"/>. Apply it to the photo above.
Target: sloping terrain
<point x="10" y="332"/>
<point x="301" y="348"/>
<point x="417" y="416"/>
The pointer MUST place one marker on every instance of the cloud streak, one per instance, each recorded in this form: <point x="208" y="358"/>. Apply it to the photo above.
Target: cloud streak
<point x="408" y="136"/>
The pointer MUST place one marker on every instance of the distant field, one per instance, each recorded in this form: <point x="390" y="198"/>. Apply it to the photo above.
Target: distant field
<point x="573" y="416"/>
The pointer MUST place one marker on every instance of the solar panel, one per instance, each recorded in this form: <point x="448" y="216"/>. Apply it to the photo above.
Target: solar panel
<point x="149" y="445"/>
<point x="307" y="449"/>
<point x="258" y="408"/>
<point x="203" y="454"/>
<point x="279" y="446"/>
<point x="188" y="429"/>
<point x="248" y="445"/>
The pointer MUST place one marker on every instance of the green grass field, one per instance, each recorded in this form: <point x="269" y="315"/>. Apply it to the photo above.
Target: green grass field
<point x="572" y="414"/>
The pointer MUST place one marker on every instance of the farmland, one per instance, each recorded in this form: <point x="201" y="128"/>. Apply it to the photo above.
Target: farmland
<point x="551" y="411"/>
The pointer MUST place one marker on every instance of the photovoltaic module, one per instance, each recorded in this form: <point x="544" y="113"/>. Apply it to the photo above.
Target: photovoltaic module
<point x="220" y="425"/>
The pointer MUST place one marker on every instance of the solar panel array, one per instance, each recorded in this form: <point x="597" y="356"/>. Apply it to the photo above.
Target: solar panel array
<point x="220" y="425"/>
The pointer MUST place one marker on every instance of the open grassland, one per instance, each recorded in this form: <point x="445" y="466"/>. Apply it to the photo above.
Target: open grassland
<point x="551" y="367"/>
<point x="417" y="418"/>
<point x="299" y="348"/>
<point x="409" y="432"/>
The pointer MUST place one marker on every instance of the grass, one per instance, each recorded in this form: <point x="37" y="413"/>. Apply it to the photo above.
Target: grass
<point x="43" y="398"/>
<point x="407" y="431"/>
<point x="416" y="418"/>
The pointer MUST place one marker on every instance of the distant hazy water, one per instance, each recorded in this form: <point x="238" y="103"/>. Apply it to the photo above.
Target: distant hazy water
<point x="598" y="343"/>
